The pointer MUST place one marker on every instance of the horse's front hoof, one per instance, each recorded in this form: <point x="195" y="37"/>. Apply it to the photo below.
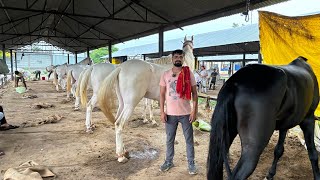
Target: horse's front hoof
<point x="122" y="159"/>
<point x="76" y="109"/>
<point x="89" y="130"/>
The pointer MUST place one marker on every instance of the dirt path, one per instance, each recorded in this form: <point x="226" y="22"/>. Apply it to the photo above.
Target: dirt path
<point x="71" y="153"/>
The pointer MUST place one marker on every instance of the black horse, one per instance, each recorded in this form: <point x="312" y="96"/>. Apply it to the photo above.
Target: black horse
<point x="254" y="102"/>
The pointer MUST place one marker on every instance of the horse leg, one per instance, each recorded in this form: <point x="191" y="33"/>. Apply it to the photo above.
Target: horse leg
<point x="253" y="141"/>
<point x="154" y="123"/>
<point x="307" y="127"/>
<point x="278" y="151"/>
<point x="77" y="103"/>
<point x="90" y="106"/>
<point x="146" y="104"/>
<point x="124" y="116"/>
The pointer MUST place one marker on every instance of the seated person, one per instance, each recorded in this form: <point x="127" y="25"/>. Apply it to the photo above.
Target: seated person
<point x="20" y="75"/>
<point x="4" y="125"/>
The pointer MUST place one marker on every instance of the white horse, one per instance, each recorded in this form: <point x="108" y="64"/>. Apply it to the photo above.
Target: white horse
<point x="60" y="73"/>
<point x="94" y="76"/>
<point x="133" y="80"/>
<point x="72" y="77"/>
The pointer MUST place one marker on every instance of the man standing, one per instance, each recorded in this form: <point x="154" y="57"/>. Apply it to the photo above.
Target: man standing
<point x="177" y="86"/>
<point x="204" y="75"/>
<point x="214" y="75"/>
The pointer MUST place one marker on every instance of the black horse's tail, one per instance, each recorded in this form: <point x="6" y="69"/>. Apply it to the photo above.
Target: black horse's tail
<point x="222" y="123"/>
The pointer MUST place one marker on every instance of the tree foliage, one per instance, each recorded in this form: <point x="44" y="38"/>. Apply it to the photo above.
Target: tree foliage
<point x="7" y="55"/>
<point x="96" y="54"/>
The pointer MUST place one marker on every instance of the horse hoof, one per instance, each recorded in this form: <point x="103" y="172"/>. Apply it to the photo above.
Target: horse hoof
<point x="155" y="124"/>
<point x="89" y="131"/>
<point x="122" y="159"/>
<point x="145" y="121"/>
<point x="76" y="109"/>
<point x="93" y="126"/>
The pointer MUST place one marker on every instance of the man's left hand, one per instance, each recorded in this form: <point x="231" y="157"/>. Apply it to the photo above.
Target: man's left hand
<point x="193" y="116"/>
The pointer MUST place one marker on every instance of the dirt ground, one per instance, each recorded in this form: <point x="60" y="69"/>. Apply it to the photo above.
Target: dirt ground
<point x="71" y="153"/>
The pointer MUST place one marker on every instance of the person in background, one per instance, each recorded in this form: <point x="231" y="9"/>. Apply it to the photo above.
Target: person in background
<point x="4" y="125"/>
<point x="20" y="76"/>
<point x="214" y="75"/>
<point x="38" y="74"/>
<point x="204" y="76"/>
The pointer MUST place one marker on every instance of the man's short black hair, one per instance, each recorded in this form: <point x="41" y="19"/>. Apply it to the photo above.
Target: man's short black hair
<point x="16" y="72"/>
<point x="177" y="51"/>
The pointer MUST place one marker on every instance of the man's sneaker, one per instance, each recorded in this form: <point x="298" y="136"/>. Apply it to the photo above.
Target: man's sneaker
<point x="192" y="168"/>
<point x="166" y="166"/>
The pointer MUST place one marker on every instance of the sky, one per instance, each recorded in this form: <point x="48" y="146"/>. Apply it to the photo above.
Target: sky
<point x="289" y="8"/>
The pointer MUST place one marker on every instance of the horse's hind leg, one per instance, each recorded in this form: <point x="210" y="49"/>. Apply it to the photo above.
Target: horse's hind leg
<point x="278" y="151"/>
<point x="254" y="133"/>
<point x="123" y="117"/>
<point x="307" y="127"/>
<point x="90" y="106"/>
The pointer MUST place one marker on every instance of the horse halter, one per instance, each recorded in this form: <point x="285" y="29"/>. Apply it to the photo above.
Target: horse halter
<point x="188" y="43"/>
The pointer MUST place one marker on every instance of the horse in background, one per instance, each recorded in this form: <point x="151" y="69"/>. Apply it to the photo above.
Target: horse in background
<point x="133" y="80"/>
<point x="72" y="77"/>
<point x="94" y="75"/>
<point x="254" y="102"/>
<point x="60" y="73"/>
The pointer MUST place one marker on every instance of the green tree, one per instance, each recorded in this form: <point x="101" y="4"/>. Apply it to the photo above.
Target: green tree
<point x="7" y="55"/>
<point x="96" y="54"/>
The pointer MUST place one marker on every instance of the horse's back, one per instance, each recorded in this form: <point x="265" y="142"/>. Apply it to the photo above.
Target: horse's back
<point x="286" y="93"/>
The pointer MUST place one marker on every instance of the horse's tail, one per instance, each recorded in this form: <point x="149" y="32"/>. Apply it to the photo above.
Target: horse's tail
<point x="79" y="83"/>
<point x="84" y="86"/>
<point x="106" y="94"/>
<point x="219" y="135"/>
<point x="69" y="77"/>
<point x="55" y="77"/>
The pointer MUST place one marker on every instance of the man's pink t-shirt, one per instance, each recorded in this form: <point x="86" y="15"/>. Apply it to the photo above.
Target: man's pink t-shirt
<point x="176" y="106"/>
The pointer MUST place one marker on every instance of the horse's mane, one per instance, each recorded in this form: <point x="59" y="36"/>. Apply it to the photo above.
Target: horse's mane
<point x="86" y="60"/>
<point x="162" y="60"/>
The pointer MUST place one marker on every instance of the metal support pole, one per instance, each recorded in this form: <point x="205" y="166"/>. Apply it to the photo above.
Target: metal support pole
<point x="243" y="60"/>
<point x="76" y="54"/>
<point x="68" y="61"/>
<point x="16" y="61"/>
<point x="259" y="58"/>
<point x="110" y="52"/>
<point x="160" y="42"/>
<point x="4" y="53"/>
<point x="11" y="64"/>
<point x="88" y="53"/>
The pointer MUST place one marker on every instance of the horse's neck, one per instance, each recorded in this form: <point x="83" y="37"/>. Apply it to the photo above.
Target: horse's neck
<point x="189" y="59"/>
<point x="162" y="60"/>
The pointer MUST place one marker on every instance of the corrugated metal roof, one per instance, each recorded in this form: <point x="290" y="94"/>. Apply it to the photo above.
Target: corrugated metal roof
<point x="249" y="33"/>
<point x="83" y="24"/>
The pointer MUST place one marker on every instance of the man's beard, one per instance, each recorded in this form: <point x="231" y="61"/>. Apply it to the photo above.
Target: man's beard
<point x="177" y="64"/>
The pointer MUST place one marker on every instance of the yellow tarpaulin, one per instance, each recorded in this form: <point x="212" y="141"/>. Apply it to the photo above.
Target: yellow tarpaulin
<point x="283" y="39"/>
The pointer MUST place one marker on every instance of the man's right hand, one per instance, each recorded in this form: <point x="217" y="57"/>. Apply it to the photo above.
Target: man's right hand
<point x="163" y="117"/>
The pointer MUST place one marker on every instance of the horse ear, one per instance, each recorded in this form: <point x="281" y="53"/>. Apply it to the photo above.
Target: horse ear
<point x="303" y="58"/>
<point x="185" y="38"/>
